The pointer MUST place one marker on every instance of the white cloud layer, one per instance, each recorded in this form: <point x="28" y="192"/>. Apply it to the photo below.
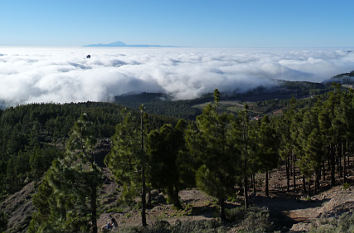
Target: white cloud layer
<point x="59" y="75"/>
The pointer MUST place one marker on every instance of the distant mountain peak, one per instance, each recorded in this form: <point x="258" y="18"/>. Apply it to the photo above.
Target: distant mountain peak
<point x="122" y="44"/>
<point x="118" y="43"/>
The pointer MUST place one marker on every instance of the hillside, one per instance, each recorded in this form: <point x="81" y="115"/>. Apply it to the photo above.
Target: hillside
<point x="32" y="136"/>
<point x="286" y="211"/>
<point x="345" y="78"/>
<point x="47" y="151"/>
<point x="162" y="104"/>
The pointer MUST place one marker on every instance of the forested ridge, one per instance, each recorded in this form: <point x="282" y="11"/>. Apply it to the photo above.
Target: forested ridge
<point x="282" y="91"/>
<point x="33" y="135"/>
<point x="221" y="152"/>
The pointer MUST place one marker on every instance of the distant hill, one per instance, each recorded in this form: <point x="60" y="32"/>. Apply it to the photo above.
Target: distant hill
<point x="345" y="78"/>
<point x="163" y="104"/>
<point x="122" y="44"/>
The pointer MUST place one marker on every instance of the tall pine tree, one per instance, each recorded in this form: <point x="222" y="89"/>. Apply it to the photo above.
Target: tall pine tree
<point x="165" y="148"/>
<point x="267" y="149"/>
<point x="127" y="159"/>
<point x="66" y="200"/>
<point x="211" y="142"/>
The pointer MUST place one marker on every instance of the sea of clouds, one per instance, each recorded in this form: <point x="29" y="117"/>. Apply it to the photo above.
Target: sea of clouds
<point x="59" y="75"/>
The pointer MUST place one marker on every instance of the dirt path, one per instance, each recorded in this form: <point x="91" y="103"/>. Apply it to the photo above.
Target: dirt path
<point x="334" y="202"/>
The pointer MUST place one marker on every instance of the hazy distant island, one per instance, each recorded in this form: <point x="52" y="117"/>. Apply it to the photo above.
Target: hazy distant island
<point x="122" y="44"/>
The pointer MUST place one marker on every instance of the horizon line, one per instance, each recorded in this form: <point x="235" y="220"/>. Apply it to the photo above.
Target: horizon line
<point x="176" y="47"/>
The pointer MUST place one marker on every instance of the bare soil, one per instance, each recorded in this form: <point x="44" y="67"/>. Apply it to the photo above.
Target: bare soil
<point x="19" y="208"/>
<point x="293" y="210"/>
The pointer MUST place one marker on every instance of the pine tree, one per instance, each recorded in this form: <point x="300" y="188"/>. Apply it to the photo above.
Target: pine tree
<point x="143" y="164"/>
<point x="127" y="159"/>
<point x="268" y="149"/>
<point x="245" y="147"/>
<point x="311" y="158"/>
<point x="286" y="144"/>
<point x="66" y="200"/>
<point x="311" y="161"/>
<point x="164" y="147"/>
<point x="329" y="130"/>
<point x="211" y="143"/>
<point x="254" y="163"/>
<point x="295" y="143"/>
<point x="347" y="105"/>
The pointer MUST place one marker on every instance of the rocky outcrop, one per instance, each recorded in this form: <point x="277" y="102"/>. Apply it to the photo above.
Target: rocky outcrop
<point x="19" y="208"/>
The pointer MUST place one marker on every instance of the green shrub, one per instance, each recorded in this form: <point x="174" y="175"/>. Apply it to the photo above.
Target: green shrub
<point x="344" y="224"/>
<point x="346" y="186"/>
<point x="257" y="220"/>
<point x="3" y="221"/>
<point x="235" y="215"/>
<point x="198" y="227"/>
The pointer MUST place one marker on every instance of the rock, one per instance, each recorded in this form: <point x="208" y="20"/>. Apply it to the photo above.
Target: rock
<point x="300" y="227"/>
<point x="157" y="198"/>
<point x="19" y="208"/>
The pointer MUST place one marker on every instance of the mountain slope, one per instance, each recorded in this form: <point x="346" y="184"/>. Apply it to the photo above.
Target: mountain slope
<point x="345" y="78"/>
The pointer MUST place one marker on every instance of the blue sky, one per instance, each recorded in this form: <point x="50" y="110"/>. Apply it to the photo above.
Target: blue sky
<point x="192" y="23"/>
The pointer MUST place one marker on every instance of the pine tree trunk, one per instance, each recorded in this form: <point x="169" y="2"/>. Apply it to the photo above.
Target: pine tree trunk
<point x="143" y="185"/>
<point x="317" y="182"/>
<point x="291" y="164"/>
<point x="143" y="198"/>
<point x="333" y="171"/>
<point x="336" y="164"/>
<point x="254" y="184"/>
<point x="340" y="160"/>
<point x="149" y="205"/>
<point x="251" y="180"/>
<point x="347" y="153"/>
<point x="94" y="208"/>
<point x="245" y="178"/>
<point x="294" y="175"/>
<point x="267" y="184"/>
<point x="177" y="203"/>
<point x="93" y="196"/>
<point x="173" y="197"/>
<point x="323" y="171"/>
<point x="245" y="191"/>
<point x="309" y="186"/>
<point x="287" y="174"/>
<point x="304" y="183"/>
<point x="222" y="210"/>
<point x="344" y="169"/>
